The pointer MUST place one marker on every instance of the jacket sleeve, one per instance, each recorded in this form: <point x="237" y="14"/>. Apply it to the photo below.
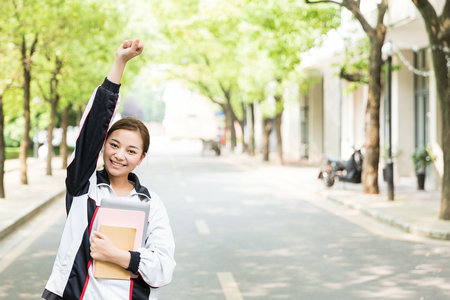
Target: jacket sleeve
<point x="157" y="261"/>
<point x="94" y="125"/>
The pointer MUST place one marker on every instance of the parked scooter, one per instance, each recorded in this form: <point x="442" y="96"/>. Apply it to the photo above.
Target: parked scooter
<point x="342" y="170"/>
<point x="211" y="145"/>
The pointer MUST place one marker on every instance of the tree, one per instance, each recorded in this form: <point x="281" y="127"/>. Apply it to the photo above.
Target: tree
<point x="212" y="43"/>
<point x="6" y="88"/>
<point x="376" y="34"/>
<point x="438" y="29"/>
<point x="26" y="32"/>
<point x="52" y="98"/>
<point x="200" y="46"/>
<point x="283" y="30"/>
<point x="9" y="75"/>
<point x="63" y="40"/>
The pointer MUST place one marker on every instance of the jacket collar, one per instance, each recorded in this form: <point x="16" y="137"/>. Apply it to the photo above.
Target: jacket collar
<point x="102" y="178"/>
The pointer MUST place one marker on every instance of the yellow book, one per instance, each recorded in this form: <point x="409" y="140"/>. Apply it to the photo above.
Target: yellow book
<point x="123" y="238"/>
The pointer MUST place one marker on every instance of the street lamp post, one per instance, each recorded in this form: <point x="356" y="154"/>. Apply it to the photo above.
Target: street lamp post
<point x="388" y="49"/>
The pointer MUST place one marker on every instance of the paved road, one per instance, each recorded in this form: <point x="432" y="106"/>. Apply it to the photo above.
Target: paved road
<point x="252" y="233"/>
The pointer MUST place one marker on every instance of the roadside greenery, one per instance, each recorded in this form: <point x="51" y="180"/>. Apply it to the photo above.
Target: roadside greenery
<point x="237" y="53"/>
<point x="51" y="52"/>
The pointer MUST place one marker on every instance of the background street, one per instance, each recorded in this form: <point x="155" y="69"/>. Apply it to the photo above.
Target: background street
<point x="250" y="231"/>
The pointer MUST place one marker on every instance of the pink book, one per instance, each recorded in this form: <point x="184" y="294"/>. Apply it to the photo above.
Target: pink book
<point x="121" y="214"/>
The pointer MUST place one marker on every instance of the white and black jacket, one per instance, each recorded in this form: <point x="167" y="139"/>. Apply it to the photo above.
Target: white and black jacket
<point x="72" y="275"/>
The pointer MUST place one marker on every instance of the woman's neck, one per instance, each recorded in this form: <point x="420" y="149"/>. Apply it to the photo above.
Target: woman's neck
<point x="121" y="186"/>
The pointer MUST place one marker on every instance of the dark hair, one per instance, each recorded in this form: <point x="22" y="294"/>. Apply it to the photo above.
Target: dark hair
<point x="132" y="124"/>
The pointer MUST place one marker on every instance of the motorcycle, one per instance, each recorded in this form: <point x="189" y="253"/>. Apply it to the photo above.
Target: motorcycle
<point x="342" y="170"/>
<point x="211" y="145"/>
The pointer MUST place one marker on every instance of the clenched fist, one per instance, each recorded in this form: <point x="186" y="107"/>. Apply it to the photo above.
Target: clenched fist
<point x="129" y="49"/>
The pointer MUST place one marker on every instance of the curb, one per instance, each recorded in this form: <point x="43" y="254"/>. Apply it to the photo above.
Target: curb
<point x="29" y="214"/>
<point x="392" y="221"/>
<point x="381" y="217"/>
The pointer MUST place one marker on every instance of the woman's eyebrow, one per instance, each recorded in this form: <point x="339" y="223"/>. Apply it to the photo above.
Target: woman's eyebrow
<point x="130" y="146"/>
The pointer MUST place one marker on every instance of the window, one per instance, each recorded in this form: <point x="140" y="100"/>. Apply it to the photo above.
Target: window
<point x="421" y="95"/>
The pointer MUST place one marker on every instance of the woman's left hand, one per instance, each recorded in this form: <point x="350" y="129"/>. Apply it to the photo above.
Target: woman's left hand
<point x="101" y="247"/>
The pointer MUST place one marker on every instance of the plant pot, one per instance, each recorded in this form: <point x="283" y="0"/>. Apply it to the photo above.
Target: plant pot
<point x="420" y="181"/>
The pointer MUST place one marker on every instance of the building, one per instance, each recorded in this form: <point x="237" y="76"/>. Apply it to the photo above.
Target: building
<point x="330" y="117"/>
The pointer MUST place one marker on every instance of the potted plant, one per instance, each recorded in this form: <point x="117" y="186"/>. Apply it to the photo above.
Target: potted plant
<point x="422" y="158"/>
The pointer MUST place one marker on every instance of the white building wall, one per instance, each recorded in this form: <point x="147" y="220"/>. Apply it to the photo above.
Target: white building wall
<point x="402" y="118"/>
<point x="187" y="114"/>
<point x="290" y="129"/>
<point x="347" y="135"/>
<point x="359" y="110"/>
<point x="316" y="124"/>
<point x="332" y="99"/>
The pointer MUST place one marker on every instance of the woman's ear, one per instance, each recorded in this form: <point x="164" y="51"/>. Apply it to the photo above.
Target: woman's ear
<point x="142" y="158"/>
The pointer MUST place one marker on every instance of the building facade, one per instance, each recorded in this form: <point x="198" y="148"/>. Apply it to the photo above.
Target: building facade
<point x="330" y="115"/>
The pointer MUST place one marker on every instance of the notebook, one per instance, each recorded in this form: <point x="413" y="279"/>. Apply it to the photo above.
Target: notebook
<point x="124" y="222"/>
<point x="123" y="238"/>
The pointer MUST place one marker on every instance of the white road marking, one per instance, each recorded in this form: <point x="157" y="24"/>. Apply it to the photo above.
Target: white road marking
<point x="229" y="286"/>
<point x="189" y="199"/>
<point x="202" y="227"/>
<point x="11" y="256"/>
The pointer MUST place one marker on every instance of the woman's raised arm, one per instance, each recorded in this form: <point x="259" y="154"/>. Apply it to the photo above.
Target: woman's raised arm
<point x="94" y="125"/>
<point x="126" y="51"/>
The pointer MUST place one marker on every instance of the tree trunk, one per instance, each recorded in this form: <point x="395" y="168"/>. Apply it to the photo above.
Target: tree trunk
<point x="278" y="121"/>
<point x="445" y="195"/>
<point x="439" y="36"/>
<point x="242" y="124"/>
<point x="372" y="117"/>
<point x="2" y="139"/>
<point x="25" y="142"/>
<point x="251" y="141"/>
<point x="79" y="114"/>
<point x="53" y="105"/>
<point x="232" y="127"/>
<point x="267" y="129"/>
<point x="442" y="80"/>
<point x="54" y="99"/>
<point x="372" y="122"/>
<point x="227" y="124"/>
<point x="63" y="148"/>
<point x="2" y="149"/>
<point x="243" y="143"/>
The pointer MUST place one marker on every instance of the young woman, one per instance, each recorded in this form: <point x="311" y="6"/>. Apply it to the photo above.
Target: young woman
<point x="125" y="145"/>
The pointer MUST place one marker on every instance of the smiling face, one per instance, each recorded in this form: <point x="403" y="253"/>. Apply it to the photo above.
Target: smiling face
<point x="123" y="152"/>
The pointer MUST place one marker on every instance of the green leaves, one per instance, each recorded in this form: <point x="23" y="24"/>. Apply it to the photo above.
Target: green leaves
<point x="241" y="45"/>
<point x="423" y="157"/>
<point x="81" y="36"/>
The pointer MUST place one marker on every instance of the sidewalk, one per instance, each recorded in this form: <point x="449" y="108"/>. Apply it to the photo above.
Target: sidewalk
<point x="412" y="211"/>
<point x="24" y="201"/>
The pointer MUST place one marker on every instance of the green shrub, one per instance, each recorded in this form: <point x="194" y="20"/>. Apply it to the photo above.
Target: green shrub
<point x="423" y="157"/>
